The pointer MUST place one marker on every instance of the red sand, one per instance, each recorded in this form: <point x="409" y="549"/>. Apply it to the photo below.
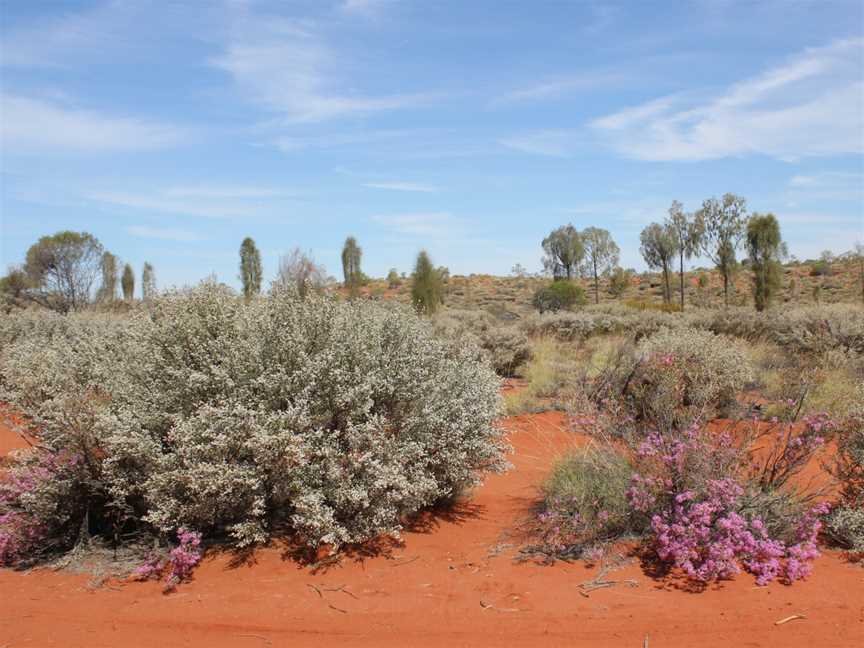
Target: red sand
<point x="442" y="588"/>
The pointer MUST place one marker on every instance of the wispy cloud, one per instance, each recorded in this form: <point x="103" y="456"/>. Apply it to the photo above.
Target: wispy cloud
<point x="286" y="67"/>
<point x="293" y="143"/>
<point x="402" y="186"/>
<point x="35" y="125"/>
<point x="558" y="143"/>
<point x="432" y="224"/>
<point x="160" y="201"/>
<point x="167" y="234"/>
<point x="828" y="179"/>
<point x="227" y="191"/>
<point x="365" y="7"/>
<point x="838" y="186"/>
<point x="560" y="86"/>
<point x="811" y="106"/>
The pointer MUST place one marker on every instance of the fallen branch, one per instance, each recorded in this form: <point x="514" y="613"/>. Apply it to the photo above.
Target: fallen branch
<point x="789" y="618"/>
<point x="600" y="582"/>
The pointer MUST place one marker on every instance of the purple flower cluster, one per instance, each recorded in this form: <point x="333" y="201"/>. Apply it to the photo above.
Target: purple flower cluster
<point x="180" y="562"/>
<point x="709" y="540"/>
<point x="21" y="532"/>
<point x="695" y="519"/>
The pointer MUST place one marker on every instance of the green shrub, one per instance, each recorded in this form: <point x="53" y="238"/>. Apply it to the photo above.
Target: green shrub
<point x="559" y="295"/>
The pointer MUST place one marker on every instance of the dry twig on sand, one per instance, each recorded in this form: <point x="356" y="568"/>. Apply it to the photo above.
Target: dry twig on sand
<point x="600" y="581"/>
<point x="789" y="618"/>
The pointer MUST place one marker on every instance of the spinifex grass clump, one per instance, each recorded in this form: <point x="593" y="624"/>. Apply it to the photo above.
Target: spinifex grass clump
<point x="326" y="421"/>
<point x="708" y="500"/>
<point x="585" y="502"/>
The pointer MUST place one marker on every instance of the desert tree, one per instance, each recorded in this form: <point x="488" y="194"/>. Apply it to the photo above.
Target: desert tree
<point x="61" y="269"/>
<point x="619" y="280"/>
<point x="14" y="288"/>
<point x="426" y="285"/>
<point x="393" y="279"/>
<point x="351" y="256"/>
<point x="688" y="234"/>
<point x="128" y="283"/>
<point x="765" y="249"/>
<point x="563" y="252"/>
<point x="250" y="268"/>
<point x="723" y="224"/>
<point x="658" y="246"/>
<point x="601" y="255"/>
<point x="110" y="266"/>
<point x="299" y="272"/>
<point x="148" y="282"/>
<point x="518" y="270"/>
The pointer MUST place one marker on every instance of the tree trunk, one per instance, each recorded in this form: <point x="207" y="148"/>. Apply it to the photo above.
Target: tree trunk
<point x="681" y="272"/>
<point x="667" y="297"/>
<point x="596" y="285"/>
<point x="726" y="290"/>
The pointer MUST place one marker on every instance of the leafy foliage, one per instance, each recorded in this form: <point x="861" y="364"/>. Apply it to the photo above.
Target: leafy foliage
<point x="62" y="268"/>
<point x="765" y="248"/>
<point x="559" y="295"/>
<point x="564" y="251"/>
<point x="427" y="285"/>
<point x="250" y="268"/>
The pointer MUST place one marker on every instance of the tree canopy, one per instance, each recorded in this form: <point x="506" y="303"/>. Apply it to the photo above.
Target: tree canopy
<point x="564" y="252"/>
<point x="62" y="267"/>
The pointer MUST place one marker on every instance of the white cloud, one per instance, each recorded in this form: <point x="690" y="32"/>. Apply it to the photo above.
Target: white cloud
<point x="285" y="66"/>
<point x="161" y="202"/>
<point x="292" y="143"/>
<point x="35" y="125"/>
<point x="841" y="186"/>
<point x="167" y="234"/>
<point x="366" y="7"/>
<point x="432" y="224"/>
<point x="227" y="191"/>
<point x="811" y="106"/>
<point x="556" y="143"/>
<point x="556" y="87"/>
<point x="402" y="186"/>
<point x="828" y="179"/>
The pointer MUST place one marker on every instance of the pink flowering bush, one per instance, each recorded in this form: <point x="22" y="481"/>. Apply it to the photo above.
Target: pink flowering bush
<point x="707" y="501"/>
<point x="42" y="505"/>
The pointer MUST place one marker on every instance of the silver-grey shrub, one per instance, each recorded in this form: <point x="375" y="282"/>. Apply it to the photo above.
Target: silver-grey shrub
<point x="801" y="329"/>
<point x="670" y="380"/>
<point x="326" y="420"/>
<point x="504" y="346"/>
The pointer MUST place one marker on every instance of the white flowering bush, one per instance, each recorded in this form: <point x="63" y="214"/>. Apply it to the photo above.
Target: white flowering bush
<point x="326" y="420"/>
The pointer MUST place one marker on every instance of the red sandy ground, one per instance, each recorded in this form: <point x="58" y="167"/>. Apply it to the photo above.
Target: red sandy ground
<point x="444" y="587"/>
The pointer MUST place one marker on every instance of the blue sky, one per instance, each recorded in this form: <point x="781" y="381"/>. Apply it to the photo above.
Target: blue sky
<point x="171" y="131"/>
